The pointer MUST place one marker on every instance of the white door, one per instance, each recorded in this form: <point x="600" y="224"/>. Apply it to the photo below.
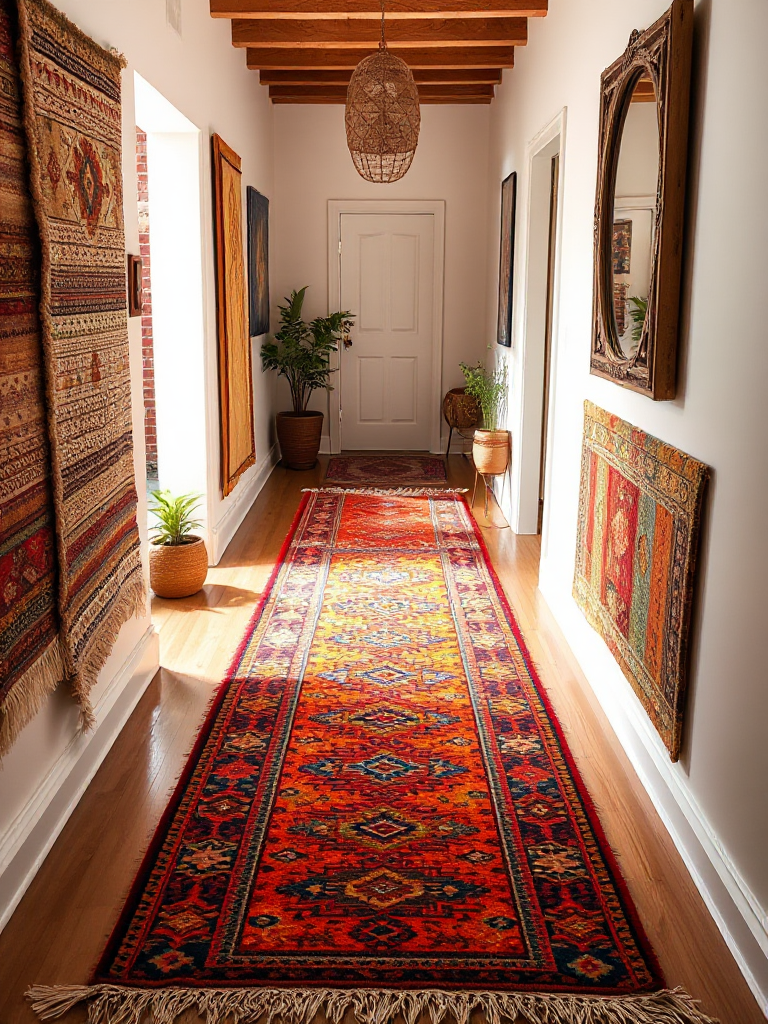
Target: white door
<point x="387" y="267"/>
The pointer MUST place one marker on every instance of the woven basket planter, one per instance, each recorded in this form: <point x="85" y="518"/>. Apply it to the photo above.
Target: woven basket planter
<point x="460" y="409"/>
<point x="490" y="451"/>
<point x="298" y="434"/>
<point x="178" y="570"/>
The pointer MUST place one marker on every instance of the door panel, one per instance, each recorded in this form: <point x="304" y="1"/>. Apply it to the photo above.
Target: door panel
<point x="403" y="379"/>
<point x="372" y="260"/>
<point x="371" y="388"/>
<point x="405" y="283"/>
<point x="386" y="375"/>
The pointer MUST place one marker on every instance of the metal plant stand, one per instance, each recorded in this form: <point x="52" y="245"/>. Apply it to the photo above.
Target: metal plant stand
<point x="489" y="489"/>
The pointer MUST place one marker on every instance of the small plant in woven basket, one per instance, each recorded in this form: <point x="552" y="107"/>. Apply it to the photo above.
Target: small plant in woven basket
<point x="301" y="352"/>
<point x="489" y="387"/>
<point x="490" y="446"/>
<point x="178" y="560"/>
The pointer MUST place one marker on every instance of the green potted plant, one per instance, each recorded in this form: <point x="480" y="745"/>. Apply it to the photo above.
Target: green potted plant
<point x="178" y="560"/>
<point x="490" y="445"/>
<point x="301" y="353"/>
<point x="638" y="310"/>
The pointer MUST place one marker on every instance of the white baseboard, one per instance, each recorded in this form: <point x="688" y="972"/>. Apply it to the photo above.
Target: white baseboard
<point x="459" y="445"/>
<point x="741" y="920"/>
<point x="226" y="528"/>
<point x="27" y="842"/>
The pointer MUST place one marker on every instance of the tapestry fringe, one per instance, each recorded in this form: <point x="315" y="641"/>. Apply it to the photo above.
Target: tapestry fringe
<point x="132" y="602"/>
<point x="112" y="1004"/>
<point x="400" y="492"/>
<point x="28" y="694"/>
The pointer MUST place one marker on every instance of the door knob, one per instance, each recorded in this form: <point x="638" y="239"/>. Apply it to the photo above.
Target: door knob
<point x="347" y="341"/>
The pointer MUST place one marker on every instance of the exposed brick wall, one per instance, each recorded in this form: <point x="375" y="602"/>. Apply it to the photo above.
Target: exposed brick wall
<point x="147" y="349"/>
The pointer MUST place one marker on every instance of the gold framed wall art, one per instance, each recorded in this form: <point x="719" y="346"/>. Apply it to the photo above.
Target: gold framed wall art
<point x="238" y="450"/>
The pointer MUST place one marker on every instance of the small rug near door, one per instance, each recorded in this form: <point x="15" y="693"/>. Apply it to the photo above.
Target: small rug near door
<point x="386" y="471"/>
<point x="380" y="813"/>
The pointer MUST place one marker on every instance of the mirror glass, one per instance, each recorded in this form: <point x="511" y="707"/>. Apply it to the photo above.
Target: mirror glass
<point x="634" y="215"/>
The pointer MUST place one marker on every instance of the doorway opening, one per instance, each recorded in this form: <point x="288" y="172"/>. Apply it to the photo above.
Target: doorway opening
<point x="554" y="186"/>
<point x="545" y="170"/>
<point x="386" y="267"/>
<point x="168" y="160"/>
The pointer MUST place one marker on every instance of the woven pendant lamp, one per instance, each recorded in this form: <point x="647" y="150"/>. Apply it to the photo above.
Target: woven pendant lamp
<point x="382" y="115"/>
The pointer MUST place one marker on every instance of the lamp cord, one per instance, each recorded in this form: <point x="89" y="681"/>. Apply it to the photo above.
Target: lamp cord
<point x="382" y="41"/>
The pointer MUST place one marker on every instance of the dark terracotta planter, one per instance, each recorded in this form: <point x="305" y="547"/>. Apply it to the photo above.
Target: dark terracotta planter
<point x="298" y="434"/>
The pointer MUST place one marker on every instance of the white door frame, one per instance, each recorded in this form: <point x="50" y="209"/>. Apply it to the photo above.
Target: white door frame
<point x="430" y="207"/>
<point x="525" y="489"/>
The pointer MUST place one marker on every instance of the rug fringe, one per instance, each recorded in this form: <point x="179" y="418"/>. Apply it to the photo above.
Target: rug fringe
<point x="112" y="1004"/>
<point x="400" y="492"/>
<point x="29" y="693"/>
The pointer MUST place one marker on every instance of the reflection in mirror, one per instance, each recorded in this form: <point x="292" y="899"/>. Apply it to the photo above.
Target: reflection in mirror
<point x="634" y="215"/>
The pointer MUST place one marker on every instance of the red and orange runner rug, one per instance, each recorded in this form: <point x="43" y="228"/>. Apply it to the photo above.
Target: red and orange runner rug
<point x="381" y="813"/>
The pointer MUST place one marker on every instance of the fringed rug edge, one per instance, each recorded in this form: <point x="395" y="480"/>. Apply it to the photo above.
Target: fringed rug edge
<point x="113" y="1004"/>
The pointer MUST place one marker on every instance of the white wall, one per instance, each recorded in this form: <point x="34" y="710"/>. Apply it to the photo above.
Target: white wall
<point x="714" y="799"/>
<point x="313" y="165"/>
<point x="206" y="79"/>
<point x="178" y="341"/>
<point x="637" y="172"/>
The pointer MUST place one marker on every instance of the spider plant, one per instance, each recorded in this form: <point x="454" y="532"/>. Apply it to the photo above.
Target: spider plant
<point x="174" y="517"/>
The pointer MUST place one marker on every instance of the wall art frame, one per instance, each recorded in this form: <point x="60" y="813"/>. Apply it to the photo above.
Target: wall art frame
<point x="238" y="450"/>
<point x="663" y="55"/>
<point x="135" y="286"/>
<point x="258" y="262"/>
<point x="506" y="259"/>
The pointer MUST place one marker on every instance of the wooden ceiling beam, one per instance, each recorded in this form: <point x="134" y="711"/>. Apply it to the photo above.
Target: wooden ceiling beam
<point x="371" y="9"/>
<point x="426" y="57"/>
<point x="338" y="94"/>
<point x="338" y="100"/>
<point x="307" y="34"/>
<point x="426" y="76"/>
<point x="644" y="92"/>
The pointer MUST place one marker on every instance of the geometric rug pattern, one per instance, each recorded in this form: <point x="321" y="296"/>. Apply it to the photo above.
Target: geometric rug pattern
<point x="386" y="470"/>
<point x="380" y="813"/>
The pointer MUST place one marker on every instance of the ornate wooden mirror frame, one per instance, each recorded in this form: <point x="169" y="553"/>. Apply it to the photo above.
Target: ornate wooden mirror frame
<point x="662" y="54"/>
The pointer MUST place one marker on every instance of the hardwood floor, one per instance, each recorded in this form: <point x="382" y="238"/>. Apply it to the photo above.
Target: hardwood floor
<point x="61" y="925"/>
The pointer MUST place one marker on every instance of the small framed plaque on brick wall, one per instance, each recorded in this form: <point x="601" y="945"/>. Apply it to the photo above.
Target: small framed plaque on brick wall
<point x="135" y="289"/>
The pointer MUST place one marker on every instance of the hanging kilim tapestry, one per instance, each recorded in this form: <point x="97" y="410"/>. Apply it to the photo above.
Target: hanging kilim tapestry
<point x="639" y="511"/>
<point x="30" y="658"/>
<point x="71" y="91"/>
<point x="386" y="470"/>
<point x="381" y="812"/>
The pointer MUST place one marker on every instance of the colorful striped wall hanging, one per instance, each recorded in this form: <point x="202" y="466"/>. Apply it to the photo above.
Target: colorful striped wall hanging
<point x="640" y="507"/>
